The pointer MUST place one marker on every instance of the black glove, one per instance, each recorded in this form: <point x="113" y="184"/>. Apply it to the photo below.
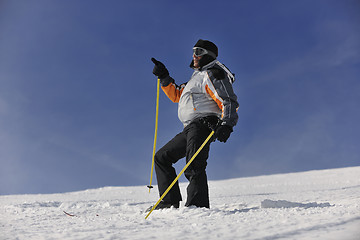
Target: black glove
<point x="222" y="133"/>
<point x="159" y="69"/>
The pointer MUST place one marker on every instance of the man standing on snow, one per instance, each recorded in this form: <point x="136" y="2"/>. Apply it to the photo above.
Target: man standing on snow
<point x="206" y="102"/>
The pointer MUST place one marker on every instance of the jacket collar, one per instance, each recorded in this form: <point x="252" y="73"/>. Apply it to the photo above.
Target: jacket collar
<point x="209" y="65"/>
<point x="231" y="76"/>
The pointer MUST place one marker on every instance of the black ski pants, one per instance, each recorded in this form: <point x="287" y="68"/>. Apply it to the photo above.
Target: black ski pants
<point x="185" y="144"/>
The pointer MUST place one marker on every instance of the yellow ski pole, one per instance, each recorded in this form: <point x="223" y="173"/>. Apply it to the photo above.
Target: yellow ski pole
<point x="182" y="171"/>
<point x="155" y="135"/>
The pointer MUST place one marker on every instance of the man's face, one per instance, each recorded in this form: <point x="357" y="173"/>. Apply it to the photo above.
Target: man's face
<point x="196" y="61"/>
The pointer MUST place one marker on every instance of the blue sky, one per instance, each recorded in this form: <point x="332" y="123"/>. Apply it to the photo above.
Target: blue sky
<point x="77" y="94"/>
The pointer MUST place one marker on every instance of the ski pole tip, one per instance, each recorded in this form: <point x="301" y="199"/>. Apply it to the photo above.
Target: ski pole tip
<point x="150" y="186"/>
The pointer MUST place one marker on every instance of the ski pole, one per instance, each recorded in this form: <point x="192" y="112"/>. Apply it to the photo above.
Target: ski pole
<point x="182" y="171"/>
<point x="155" y="135"/>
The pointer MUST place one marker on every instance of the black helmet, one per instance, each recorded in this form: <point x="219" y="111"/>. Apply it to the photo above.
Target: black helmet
<point x="210" y="46"/>
<point x="210" y="56"/>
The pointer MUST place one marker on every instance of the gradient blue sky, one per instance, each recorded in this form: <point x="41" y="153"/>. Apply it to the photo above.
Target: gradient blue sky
<point x="77" y="94"/>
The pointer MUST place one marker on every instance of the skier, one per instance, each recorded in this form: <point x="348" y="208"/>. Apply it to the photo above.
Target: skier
<point x="206" y="102"/>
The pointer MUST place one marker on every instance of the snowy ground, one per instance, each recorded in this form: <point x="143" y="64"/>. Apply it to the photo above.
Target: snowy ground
<point x="309" y="205"/>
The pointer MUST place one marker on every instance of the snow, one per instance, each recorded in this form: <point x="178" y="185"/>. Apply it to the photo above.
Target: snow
<point x="320" y="204"/>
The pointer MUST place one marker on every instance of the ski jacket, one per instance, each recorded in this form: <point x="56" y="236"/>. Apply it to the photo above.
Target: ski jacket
<point x="208" y="92"/>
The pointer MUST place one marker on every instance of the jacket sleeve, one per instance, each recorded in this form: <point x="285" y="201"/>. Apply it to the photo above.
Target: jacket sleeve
<point x="220" y="89"/>
<point x="171" y="90"/>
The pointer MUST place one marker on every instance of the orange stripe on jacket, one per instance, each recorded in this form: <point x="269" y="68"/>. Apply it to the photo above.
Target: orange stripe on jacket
<point x="173" y="92"/>
<point x="213" y="96"/>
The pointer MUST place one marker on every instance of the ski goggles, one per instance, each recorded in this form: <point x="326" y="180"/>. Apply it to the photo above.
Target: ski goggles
<point x="198" y="52"/>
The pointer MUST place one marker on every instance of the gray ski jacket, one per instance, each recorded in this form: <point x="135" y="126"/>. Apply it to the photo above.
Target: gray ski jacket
<point x="208" y="92"/>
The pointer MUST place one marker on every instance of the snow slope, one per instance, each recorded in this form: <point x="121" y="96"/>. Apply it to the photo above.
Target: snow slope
<point x="309" y="205"/>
